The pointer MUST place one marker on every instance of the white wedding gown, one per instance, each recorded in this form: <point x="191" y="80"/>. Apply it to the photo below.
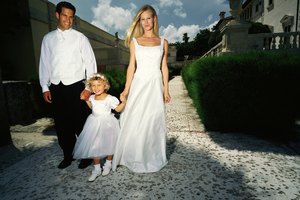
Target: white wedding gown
<point x="141" y="145"/>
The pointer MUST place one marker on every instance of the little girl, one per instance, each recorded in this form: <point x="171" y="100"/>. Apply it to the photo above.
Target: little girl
<point x="98" y="137"/>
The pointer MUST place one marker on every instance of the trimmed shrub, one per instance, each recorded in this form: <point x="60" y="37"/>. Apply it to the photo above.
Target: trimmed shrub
<point x="255" y="91"/>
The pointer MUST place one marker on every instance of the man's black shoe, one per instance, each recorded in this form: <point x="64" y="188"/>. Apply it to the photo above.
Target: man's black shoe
<point x="64" y="163"/>
<point x="84" y="163"/>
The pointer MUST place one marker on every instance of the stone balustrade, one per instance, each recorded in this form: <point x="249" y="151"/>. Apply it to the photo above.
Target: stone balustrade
<point x="236" y="40"/>
<point x="274" y="41"/>
<point x="215" y="51"/>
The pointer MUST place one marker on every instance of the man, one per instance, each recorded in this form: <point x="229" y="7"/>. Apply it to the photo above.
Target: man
<point x="67" y="58"/>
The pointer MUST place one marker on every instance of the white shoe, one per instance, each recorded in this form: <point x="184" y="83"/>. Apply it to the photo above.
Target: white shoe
<point x="94" y="175"/>
<point x="106" y="168"/>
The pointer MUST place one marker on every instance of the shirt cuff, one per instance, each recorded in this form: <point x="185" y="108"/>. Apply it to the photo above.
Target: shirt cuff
<point x="88" y="89"/>
<point x="45" y="88"/>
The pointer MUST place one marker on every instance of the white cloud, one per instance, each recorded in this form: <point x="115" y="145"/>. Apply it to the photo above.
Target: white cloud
<point x="174" y="34"/>
<point x="179" y="12"/>
<point x="110" y="18"/>
<point x="209" y="18"/>
<point x="177" y="4"/>
<point x="113" y="18"/>
<point x="169" y="3"/>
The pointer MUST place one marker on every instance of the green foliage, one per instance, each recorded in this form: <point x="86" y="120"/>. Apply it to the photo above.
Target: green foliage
<point x="185" y="38"/>
<point x="117" y="80"/>
<point x="257" y="27"/>
<point x="256" y="91"/>
<point x="201" y="42"/>
<point x="195" y="48"/>
<point x="215" y="38"/>
<point x="182" y="50"/>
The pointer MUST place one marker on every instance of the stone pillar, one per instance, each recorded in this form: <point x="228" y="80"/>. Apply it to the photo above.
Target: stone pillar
<point x="235" y="37"/>
<point x="5" y="137"/>
<point x="235" y="33"/>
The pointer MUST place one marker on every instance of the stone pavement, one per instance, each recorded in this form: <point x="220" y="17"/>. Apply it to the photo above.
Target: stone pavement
<point x="202" y="165"/>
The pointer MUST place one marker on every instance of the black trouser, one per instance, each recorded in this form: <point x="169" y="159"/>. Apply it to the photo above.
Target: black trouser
<point x="69" y="114"/>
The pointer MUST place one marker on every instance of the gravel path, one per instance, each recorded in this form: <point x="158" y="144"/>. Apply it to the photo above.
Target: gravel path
<point x="202" y="165"/>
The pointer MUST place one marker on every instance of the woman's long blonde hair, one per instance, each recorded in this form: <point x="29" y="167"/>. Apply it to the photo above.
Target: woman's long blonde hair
<point x="136" y="29"/>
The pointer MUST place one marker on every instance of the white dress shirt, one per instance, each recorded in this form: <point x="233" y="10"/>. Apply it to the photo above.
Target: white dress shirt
<point x="66" y="56"/>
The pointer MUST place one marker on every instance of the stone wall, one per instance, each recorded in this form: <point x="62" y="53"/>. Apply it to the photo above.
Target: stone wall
<point x="24" y="102"/>
<point x="5" y="137"/>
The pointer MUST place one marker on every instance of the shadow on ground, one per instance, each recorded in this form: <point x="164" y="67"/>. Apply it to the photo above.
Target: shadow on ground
<point x="190" y="174"/>
<point x="255" y="143"/>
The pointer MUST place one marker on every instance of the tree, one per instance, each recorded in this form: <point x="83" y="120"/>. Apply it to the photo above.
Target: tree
<point x="182" y="50"/>
<point x="214" y="38"/>
<point x="257" y="27"/>
<point x="185" y="38"/>
<point x="201" y="42"/>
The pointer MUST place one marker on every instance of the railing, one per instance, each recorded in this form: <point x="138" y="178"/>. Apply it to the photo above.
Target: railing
<point x="276" y="41"/>
<point x="288" y="41"/>
<point x="215" y="51"/>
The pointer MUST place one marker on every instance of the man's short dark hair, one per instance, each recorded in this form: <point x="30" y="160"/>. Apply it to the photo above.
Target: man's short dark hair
<point x="64" y="4"/>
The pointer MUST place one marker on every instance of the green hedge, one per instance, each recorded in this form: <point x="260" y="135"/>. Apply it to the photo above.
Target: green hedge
<point x="255" y="91"/>
<point x="117" y="80"/>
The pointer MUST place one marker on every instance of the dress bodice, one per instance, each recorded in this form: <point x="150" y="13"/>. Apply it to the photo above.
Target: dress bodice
<point x="103" y="107"/>
<point x="148" y="58"/>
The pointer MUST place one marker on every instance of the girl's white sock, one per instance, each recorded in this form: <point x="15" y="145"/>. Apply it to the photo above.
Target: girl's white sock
<point x="97" y="167"/>
<point x="108" y="162"/>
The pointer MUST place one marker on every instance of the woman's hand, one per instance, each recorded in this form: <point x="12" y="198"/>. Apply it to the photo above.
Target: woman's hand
<point x="124" y="94"/>
<point x="123" y="98"/>
<point x="167" y="97"/>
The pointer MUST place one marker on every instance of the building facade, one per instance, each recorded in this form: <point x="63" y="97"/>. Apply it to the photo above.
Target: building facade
<point x="279" y="15"/>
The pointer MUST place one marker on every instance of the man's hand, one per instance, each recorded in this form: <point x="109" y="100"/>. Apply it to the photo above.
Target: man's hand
<point x="47" y="96"/>
<point x="85" y="95"/>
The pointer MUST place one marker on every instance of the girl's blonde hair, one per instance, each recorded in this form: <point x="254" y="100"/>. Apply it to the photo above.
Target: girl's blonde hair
<point x="136" y="29"/>
<point x="97" y="77"/>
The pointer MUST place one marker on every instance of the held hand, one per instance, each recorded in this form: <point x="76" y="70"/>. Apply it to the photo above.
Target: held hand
<point x="122" y="98"/>
<point x="85" y="95"/>
<point x="47" y="96"/>
<point x="124" y="94"/>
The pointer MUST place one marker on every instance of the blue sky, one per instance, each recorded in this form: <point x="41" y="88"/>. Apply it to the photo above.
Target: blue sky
<point x="176" y="17"/>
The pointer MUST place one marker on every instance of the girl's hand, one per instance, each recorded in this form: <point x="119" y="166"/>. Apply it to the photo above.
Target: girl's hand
<point x="124" y="93"/>
<point x="122" y="98"/>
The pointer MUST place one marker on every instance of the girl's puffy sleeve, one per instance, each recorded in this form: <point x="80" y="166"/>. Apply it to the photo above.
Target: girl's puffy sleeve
<point x="114" y="102"/>
<point x="91" y="100"/>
